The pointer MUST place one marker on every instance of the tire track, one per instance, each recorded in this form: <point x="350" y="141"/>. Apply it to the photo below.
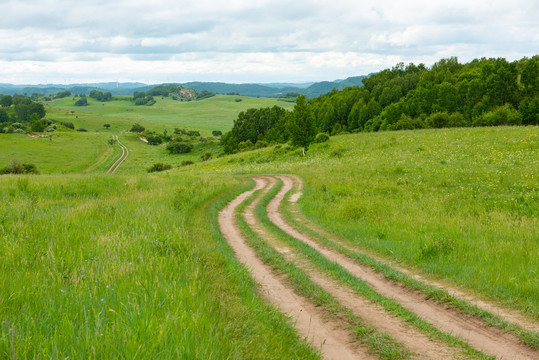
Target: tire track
<point x="487" y="339"/>
<point x="415" y="341"/>
<point x="508" y="315"/>
<point x="323" y="334"/>
<point x="121" y="159"/>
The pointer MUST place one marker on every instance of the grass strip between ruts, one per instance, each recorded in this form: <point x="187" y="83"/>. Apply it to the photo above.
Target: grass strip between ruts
<point x="379" y="343"/>
<point x="528" y="337"/>
<point x="360" y="287"/>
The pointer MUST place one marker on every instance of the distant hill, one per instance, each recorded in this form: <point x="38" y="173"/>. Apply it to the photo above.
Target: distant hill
<point x="258" y="90"/>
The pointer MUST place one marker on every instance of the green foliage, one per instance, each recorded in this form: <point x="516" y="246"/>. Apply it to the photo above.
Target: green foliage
<point x="100" y="96"/>
<point x="204" y="95"/>
<point x="62" y="94"/>
<point x="17" y="168"/>
<point x="69" y="125"/>
<point x="154" y="139"/>
<point x="301" y="125"/>
<point x="106" y="126"/>
<point x="177" y="147"/>
<point x="6" y="100"/>
<point x="157" y="167"/>
<point x="4" y="117"/>
<point x="217" y="133"/>
<point x="321" y="138"/>
<point x="187" y="162"/>
<point x="82" y="101"/>
<point x="37" y="126"/>
<point x="137" y="128"/>
<point x="206" y="156"/>
<point x="82" y="130"/>
<point x="501" y="115"/>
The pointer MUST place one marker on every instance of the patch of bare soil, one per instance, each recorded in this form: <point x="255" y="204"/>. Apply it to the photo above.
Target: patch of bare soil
<point x="308" y="320"/>
<point x="486" y="339"/>
<point x="121" y="159"/>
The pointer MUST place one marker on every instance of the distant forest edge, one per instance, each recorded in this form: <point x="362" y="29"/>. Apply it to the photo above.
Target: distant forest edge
<point x="263" y="90"/>
<point x="484" y="92"/>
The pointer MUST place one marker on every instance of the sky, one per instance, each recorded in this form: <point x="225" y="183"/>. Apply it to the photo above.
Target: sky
<point x="248" y="41"/>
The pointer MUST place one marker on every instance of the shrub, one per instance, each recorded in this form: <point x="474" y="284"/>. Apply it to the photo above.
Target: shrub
<point x="50" y="129"/>
<point x="320" y="138"/>
<point x="137" y="128"/>
<point x="193" y="133"/>
<point x="37" y="126"/>
<point x="238" y="100"/>
<point x="159" y="167"/>
<point x="176" y="147"/>
<point x="18" y="131"/>
<point x="217" y="133"/>
<point x="154" y="140"/>
<point x="187" y="162"/>
<point x="501" y="115"/>
<point x="261" y="144"/>
<point x="106" y="126"/>
<point x="438" y="120"/>
<point x="206" y="156"/>
<point x="82" y="130"/>
<point x="18" y="168"/>
<point x="69" y="125"/>
<point x="407" y="123"/>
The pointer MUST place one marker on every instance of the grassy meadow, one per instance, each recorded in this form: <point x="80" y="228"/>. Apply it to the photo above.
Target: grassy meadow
<point x="98" y="267"/>
<point x="457" y="204"/>
<point x="133" y="265"/>
<point x="215" y="113"/>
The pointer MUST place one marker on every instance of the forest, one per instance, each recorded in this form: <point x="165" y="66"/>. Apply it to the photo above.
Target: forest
<point x="483" y="92"/>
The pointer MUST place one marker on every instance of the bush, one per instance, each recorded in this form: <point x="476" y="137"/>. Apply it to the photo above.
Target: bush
<point x="154" y="140"/>
<point x="320" y="138"/>
<point x="261" y="144"/>
<point x="407" y="123"/>
<point x="217" y="133"/>
<point x="69" y="125"/>
<point x="137" y="128"/>
<point x="502" y="115"/>
<point x="37" y="126"/>
<point x="206" y="156"/>
<point x="106" y="126"/>
<point x="176" y="147"/>
<point x="438" y="120"/>
<point x="18" y="168"/>
<point x="193" y="133"/>
<point x="82" y="130"/>
<point x="82" y="101"/>
<point x="157" y="167"/>
<point x="187" y="162"/>
<point x="50" y="129"/>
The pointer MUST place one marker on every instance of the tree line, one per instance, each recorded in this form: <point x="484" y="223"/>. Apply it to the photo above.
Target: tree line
<point x="483" y="92"/>
<point x="19" y="112"/>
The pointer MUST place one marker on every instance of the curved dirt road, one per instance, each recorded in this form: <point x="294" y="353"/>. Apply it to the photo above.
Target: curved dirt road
<point x="337" y="343"/>
<point x="121" y="159"/>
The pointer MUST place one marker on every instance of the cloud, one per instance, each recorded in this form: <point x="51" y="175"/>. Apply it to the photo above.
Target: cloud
<point x="274" y="40"/>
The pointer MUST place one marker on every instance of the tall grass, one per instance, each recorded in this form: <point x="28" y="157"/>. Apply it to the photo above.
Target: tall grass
<point x="127" y="267"/>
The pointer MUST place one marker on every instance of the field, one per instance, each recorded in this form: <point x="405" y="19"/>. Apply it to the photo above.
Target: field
<point x="137" y="265"/>
<point x="215" y="113"/>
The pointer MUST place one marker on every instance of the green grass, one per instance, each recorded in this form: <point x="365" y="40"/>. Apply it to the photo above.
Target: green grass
<point x="65" y="152"/>
<point x="456" y="204"/>
<point x="85" y="275"/>
<point x="215" y="113"/>
<point x="378" y="343"/>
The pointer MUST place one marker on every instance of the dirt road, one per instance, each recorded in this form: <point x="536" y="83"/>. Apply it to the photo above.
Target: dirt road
<point x="121" y="159"/>
<point x="334" y="340"/>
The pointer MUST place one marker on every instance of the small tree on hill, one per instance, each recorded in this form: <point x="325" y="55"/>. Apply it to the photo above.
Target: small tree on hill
<point x="106" y="126"/>
<point x="301" y="124"/>
<point x="137" y="128"/>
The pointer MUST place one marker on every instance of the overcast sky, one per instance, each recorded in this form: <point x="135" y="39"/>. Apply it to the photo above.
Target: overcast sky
<point x="66" y="41"/>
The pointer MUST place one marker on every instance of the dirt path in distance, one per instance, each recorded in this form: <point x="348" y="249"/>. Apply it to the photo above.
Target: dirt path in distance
<point x="321" y="333"/>
<point x="121" y="159"/>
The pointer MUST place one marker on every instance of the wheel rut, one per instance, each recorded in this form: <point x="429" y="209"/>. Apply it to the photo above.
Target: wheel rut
<point x="308" y="320"/>
<point x="121" y="159"/>
<point x="475" y="332"/>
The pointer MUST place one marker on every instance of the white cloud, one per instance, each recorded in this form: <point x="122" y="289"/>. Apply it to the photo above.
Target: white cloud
<point x="244" y="40"/>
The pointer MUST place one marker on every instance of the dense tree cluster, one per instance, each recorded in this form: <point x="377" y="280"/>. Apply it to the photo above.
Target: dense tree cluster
<point x="62" y="94"/>
<point x="484" y="92"/>
<point x="19" y="114"/>
<point x="101" y="96"/>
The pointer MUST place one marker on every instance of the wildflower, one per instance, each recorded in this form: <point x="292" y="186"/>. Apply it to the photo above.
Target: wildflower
<point x="102" y="299"/>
